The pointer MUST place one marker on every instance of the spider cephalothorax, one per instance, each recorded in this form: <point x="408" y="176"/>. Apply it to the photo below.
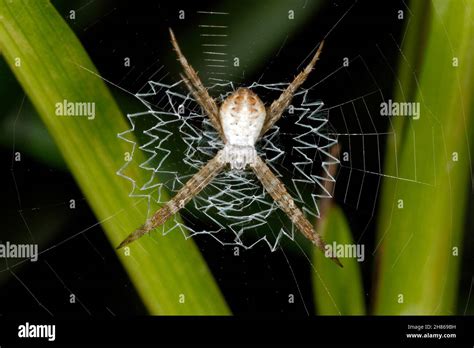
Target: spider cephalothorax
<point x="241" y="120"/>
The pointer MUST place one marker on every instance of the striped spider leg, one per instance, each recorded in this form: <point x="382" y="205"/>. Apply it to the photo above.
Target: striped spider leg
<point x="197" y="89"/>
<point x="192" y="187"/>
<point x="278" y="192"/>
<point x="279" y="105"/>
<point x="241" y="121"/>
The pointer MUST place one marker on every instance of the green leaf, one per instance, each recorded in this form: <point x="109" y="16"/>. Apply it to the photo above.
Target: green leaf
<point x="161" y="267"/>
<point x="337" y="291"/>
<point x="421" y="221"/>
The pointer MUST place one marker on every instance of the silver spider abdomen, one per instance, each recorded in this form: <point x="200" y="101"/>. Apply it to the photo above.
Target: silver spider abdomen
<point x="242" y="115"/>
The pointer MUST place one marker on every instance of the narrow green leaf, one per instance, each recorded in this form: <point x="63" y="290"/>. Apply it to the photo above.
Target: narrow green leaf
<point x="46" y="58"/>
<point x="417" y="29"/>
<point x="337" y="291"/>
<point x="422" y="218"/>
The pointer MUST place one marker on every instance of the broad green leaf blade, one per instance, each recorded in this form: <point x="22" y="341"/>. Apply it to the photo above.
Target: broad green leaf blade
<point x="421" y="222"/>
<point x="337" y="291"/>
<point x="46" y="58"/>
<point x="417" y="28"/>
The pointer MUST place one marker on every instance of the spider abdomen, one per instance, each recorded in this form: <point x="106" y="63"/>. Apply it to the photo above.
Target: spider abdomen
<point x="242" y="115"/>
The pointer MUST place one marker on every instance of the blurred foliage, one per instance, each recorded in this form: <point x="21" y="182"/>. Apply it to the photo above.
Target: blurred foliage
<point x="419" y="246"/>
<point x="337" y="291"/>
<point x="162" y="270"/>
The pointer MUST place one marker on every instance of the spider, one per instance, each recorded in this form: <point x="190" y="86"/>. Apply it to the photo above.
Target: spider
<point x="241" y="120"/>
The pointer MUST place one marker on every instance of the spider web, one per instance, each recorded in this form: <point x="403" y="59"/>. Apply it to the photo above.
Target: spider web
<point x="178" y="139"/>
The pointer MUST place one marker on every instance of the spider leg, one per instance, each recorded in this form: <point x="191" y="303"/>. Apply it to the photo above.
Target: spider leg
<point x="192" y="187"/>
<point x="197" y="89"/>
<point x="277" y="190"/>
<point x="279" y="105"/>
